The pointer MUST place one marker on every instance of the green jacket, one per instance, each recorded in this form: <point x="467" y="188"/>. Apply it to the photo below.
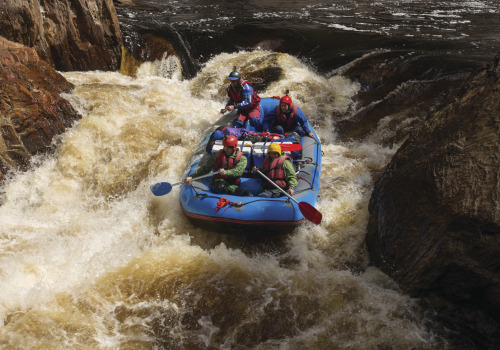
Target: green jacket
<point x="237" y="171"/>
<point x="290" y="176"/>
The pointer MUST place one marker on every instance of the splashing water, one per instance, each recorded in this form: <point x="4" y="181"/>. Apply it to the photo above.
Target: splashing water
<point x="90" y="259"/>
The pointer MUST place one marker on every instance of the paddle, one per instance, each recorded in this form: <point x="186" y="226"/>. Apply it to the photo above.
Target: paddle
<point x="309" y="212"/>
<point x="162" y="188"/>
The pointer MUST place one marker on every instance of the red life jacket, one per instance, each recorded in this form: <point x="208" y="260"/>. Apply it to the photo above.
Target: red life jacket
<point x="227" y="163"/>
<point x="237" y="97"/>
<point x="288" y="123"/>
<point x="275" y="172"/>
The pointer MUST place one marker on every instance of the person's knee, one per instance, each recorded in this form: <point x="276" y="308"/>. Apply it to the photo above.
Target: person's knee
<point x="238" y="123"/>
<point x="241" y="192"/>
<point x="295" y="155"/>
<point x="255" y="122"/>
<point x="278" y="130"/>
<point x="300" y="131"/>
<point x="220" y="187"/>
<point x="266" y="194"/>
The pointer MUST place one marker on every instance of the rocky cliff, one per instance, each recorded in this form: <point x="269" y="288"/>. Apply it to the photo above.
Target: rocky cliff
<point x="38" y="37"/>
<point x="31" y="110"/>
<point x="68" y="34"/>
<point x="435" y="211"/>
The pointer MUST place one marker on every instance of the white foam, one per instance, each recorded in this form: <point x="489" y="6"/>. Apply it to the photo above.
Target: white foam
<point x="91" y="257"/>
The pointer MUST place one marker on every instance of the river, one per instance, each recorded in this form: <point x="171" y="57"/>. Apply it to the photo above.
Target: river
<point x="90" y="259"/>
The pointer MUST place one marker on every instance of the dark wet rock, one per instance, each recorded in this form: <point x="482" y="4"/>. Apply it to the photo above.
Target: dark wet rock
<point x="263" y="78"/>
<point x="381" y="72"/>
<point x="68" y="34"/>
<point x="397" y="91"/>
<point x="152" y="48"/>
<point x="435" y="212"/>
<point x="32" y="111"/>
<point x="269" y="44"/>
<point x="145" y="48"/>
<point x="405" y="108"/>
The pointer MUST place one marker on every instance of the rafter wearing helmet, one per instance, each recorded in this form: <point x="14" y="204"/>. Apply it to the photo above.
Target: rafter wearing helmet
<point x="243" y="98"/>
<point x="289" y="118"/>
<point x="229" y="164"/>
<point x="278" y="167"/>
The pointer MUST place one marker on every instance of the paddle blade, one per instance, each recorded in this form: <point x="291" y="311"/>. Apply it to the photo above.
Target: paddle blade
<point x="291" y="147"/>
<point x="310" y="213"/>
<point x="161" y="188"/>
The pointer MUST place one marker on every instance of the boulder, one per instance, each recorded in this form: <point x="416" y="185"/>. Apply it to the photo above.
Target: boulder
<point x="434" y="222"/>
<point x="69" y="34"/>
<point x="32" y="111"/>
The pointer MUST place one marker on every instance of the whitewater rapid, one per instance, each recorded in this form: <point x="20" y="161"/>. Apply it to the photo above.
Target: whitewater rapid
<point x="90" y="259"/>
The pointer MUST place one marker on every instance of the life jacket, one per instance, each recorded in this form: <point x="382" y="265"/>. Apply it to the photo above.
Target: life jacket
<point x="275" y="171"/>
<point x="237" y="96"/>
<point x="288" y="123"/>
<point x="227" y="163"/>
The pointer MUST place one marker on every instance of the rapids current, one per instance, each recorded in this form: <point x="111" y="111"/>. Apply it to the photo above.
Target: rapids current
<point x="90" y="259"/>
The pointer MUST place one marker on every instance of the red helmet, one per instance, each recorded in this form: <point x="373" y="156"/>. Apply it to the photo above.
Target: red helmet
<point x="230" y="140"/>
<point x="286" y="99"/>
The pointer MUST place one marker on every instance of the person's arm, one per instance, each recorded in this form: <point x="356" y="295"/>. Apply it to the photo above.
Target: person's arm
<point x="290" y="176"/>
<point x="254" y="169"/>
<point x="238" y="170"/>
<point x="247" y="94"/>
<point x="304" y="123"/>
<point x="230" y="102"/>
<point x="205" y="168"/>
<point x="269" y="119"/>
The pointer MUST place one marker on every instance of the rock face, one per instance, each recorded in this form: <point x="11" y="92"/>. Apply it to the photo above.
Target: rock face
<point x="31" y="110"/>
<point x="69" y="34"/>
<point x="435" y="212"/>
<point x="66" y="35"/>
<point x="147" y="47"/>
<point x="399" y="85"/>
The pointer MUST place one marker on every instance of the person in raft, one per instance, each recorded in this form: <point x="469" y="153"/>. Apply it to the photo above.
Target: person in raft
<point x="278" y="167"/>
<point x="289" y="118"/>
<point x="229" y="163"/>
<point x="243" y="98"/>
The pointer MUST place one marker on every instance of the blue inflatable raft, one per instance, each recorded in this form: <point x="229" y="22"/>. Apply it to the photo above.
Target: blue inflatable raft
<point x="235" y="214"/>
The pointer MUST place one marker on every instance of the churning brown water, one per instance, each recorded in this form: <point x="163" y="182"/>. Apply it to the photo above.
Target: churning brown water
<point x="90" y="259"/>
